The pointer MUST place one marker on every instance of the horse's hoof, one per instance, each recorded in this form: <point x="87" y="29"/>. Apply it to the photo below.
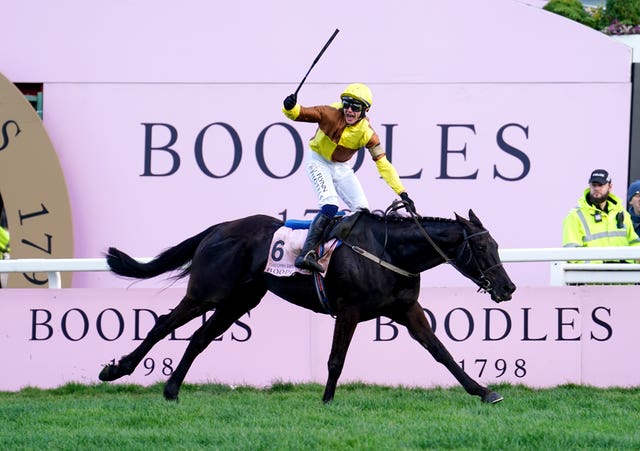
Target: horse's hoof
<point x="171" y="393"/>
<point x="492" y="398"/>
<point x="109" y="373"/>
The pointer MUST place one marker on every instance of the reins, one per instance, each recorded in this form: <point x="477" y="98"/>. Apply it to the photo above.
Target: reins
<point x="402" y="204"/>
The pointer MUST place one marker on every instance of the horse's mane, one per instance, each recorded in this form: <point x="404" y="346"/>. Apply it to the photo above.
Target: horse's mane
<point x="380" y="216"/>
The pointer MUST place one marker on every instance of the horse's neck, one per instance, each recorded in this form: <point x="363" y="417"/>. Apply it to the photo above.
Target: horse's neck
<point x="422" y="244"/>
<point x="447" y="235"/>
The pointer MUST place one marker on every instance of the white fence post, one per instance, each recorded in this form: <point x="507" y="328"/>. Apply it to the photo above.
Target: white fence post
<point x="557" y="274"/>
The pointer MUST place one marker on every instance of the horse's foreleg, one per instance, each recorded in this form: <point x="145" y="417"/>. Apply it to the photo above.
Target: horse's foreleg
<point x="416" y="322"/>
<point x="220" y="321"/>
<point x="182" y="314"/>
<point x="344" y="328"/>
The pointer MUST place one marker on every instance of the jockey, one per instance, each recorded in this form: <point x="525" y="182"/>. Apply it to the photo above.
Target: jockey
<point x="343" y="128"/>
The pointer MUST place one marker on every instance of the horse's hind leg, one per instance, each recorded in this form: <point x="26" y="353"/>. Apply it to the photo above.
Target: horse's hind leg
<point x="187" y="310"/>
<point x="416" y="322"/>
<point x="223" y="317"/>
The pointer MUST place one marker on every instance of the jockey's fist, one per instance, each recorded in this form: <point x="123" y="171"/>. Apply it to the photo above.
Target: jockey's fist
<point x="290" y="102"/>
<point x="409" y="205"/>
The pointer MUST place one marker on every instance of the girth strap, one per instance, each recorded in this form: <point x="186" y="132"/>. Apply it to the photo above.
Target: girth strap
<point x="318" y="282"/>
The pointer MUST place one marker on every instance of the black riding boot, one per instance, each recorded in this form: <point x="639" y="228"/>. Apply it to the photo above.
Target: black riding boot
<point x="308" y="259"/>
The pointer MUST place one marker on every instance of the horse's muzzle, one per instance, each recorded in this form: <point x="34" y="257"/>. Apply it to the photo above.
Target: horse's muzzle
<point x="503" y="294"/>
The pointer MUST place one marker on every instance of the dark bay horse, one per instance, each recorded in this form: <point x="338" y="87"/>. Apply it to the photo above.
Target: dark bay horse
<point x="375" y="272"/>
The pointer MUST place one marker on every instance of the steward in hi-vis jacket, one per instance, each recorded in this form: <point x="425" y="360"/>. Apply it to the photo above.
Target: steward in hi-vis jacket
<point x="600" y="219"/>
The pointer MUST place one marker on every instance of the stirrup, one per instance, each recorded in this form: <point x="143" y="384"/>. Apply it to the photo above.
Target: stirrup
<point x="309" y="261"/>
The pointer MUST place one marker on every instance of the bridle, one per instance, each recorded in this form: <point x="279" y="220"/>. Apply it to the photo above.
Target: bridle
<point x="483" y="282"/>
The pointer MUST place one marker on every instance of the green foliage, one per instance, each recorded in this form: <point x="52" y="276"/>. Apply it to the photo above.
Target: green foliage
<point x="617" y="17"/>
<point x="571" y="9"/>
<point x="626" y="12"/>
<point x="290" y="416"/>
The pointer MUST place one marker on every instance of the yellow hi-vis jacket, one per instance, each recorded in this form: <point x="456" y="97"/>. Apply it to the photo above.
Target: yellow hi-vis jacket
<point x="588" y="226"/>
<point x="4" y="242"/>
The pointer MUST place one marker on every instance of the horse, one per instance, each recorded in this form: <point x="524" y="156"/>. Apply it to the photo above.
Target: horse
<point x="375" y="271"/>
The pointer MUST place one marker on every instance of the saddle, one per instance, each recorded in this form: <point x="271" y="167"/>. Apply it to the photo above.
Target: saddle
<point x="287" y="242"/>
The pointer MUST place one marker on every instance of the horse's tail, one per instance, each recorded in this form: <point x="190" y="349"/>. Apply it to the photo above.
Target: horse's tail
<point x="173" y="258"/>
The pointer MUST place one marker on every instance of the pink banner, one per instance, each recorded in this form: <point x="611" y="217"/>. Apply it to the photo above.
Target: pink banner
<point x="543" y="337"/>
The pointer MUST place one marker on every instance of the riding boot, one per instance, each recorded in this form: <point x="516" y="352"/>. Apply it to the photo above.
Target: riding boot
<point x="308" y="258"/>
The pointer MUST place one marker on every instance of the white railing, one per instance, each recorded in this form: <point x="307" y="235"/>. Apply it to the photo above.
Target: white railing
<point x="54" y="266"/>
<point x="561" y="272"/>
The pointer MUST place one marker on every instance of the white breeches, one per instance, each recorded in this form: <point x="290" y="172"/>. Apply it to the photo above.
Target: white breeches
<point x="333" y="181"/>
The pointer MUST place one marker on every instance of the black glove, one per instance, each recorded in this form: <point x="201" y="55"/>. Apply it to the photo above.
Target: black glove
<point x="409" y="205"/>
<point x="290" y="102"/>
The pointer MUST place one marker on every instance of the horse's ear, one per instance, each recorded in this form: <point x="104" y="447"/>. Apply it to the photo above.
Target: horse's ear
<point x="474" y="218"/>
<point x="461" y="220"/>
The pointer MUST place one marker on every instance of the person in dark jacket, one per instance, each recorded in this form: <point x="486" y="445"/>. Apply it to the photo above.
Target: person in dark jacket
<point x="633" y="199"/>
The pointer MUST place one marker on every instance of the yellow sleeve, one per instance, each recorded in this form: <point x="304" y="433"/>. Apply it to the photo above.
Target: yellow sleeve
<point x="292" y="113"/>
<point x="572" y="231"/>
<point x="389" y="174"/>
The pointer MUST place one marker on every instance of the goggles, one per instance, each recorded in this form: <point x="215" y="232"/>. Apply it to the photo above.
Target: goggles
<point x="355" y="106"/>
